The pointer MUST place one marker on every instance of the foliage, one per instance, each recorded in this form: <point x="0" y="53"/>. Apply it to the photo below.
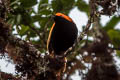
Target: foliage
<point x="32" y="24"/>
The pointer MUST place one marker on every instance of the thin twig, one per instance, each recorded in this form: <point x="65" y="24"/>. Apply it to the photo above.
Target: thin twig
<point x="35" y="30"/>
<point x="79" y="38"/>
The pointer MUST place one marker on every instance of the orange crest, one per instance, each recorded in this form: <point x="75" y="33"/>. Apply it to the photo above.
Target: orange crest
<point x="64" y="16"/>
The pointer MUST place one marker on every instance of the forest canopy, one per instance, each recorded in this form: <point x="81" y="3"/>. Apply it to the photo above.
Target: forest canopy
<point x="24" y="42"/>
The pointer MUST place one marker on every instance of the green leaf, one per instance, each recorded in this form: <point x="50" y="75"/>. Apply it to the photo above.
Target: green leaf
<point x="31" y="34"/>
<point x="112" y="23"/>
<point x="14" y="2"/>
<point x="115" y="37"/>
<point x="11" y="21"/>
<point x="43" y="1"/>
<point x="57" y="5"/>
<point x="82" y="6"/>
<point x="63" y="6"/>
<point x="28" y="3"/>
<point x="45" y="12"/>
<point x="26" y="19"/>
<point x="18" y="19"/>
<point x="24" y="30"/>
<point x="43" y="4"/>
<point x="43" y="21"/>
<point x="118" y="53"/>
<point x="36" y="17"/>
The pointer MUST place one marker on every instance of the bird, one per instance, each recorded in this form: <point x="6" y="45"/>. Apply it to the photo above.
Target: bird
<point x="62" y="36"/>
